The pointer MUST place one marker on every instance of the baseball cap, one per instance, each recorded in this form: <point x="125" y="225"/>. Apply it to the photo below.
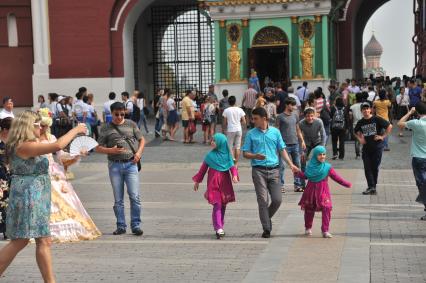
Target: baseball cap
<point x="61" y="97"/>
<point x="365" y="105"/>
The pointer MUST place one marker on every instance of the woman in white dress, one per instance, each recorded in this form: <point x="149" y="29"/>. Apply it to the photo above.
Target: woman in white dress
<point x="69" y="221"/>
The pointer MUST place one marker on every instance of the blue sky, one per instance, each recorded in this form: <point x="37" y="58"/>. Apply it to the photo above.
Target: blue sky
<point x="393" y="25"/>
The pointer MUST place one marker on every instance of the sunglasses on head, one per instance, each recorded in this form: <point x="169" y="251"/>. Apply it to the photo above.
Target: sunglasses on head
<point x="119" y="114"/>
<point x="37" y="125"/>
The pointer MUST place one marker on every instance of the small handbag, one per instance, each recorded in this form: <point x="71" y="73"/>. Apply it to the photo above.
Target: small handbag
<point x="192" y="127"/>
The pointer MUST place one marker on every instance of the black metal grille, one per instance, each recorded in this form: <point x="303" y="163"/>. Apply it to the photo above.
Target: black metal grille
<point x="183" y="48"/>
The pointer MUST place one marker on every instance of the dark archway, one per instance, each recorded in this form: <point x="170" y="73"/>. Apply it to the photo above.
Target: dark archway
<point x="366" y="9"/>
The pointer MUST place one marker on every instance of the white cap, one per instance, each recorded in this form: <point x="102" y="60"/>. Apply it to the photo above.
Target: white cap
<point x="61" y="97"/>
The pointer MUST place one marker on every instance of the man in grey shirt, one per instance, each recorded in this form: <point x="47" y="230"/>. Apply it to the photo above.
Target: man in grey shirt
<point x="313" y="132"/>
<point x="123" y="142"/>
<point x="287" y="123"/>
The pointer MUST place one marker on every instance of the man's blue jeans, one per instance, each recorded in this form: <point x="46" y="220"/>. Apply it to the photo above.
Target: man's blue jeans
<point x="419" y="169"/>
<point x="120" y="174"/>
<point x="293" y="151"/>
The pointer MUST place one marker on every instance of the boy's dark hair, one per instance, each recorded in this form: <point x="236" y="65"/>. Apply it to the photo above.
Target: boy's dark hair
<point x="421" y="108"/>
<point x="225" y="93"/>
<point x="6" y="99"/>
<point x="232" y="100"/>
<point x="309" y="110"/>
<point x="111" y="95"/>
<point x="82" y="89"/>
<point x="305" y="84"/>
<point x="85" y="99"/>
<point x="339" y="102"/>
<point x="260" y="111"/>
<point x="117" y="106"/>
<point x="5" y="123"/>
<point x="290" y="100"/>
<point x="125" y="94"/>
<point x="360" y="96"/>
<point x="79" y="95"/>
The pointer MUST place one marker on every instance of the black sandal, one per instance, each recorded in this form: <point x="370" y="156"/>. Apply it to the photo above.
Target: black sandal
<point x="423" y="218"/>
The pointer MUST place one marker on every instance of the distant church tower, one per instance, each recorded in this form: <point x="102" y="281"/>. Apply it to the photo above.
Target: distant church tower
<point x="372" y="52"/>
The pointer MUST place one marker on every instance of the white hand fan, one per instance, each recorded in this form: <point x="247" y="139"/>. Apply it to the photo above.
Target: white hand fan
<point x="82" y="144"/>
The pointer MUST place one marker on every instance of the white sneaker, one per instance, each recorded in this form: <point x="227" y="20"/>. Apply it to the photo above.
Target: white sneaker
<point x="327" y="235"/>
<point x="220" y="232"/>
<point x="308" y="232"/>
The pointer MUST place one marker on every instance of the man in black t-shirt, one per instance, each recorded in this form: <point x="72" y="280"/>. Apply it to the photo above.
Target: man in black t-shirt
<point x="280" y="97"/>
<point x="371" y="132"/>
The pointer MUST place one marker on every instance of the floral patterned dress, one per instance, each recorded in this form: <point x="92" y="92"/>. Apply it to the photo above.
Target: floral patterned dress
<point x="4" y="187"/>
<point x="28" y="211"/>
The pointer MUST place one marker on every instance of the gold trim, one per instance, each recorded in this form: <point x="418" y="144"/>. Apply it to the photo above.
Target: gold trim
<point x="270" y="36"/>
<point x="303" y="34"/>
<point x="294" y="19"/>
<point x="318" y="18"/>
<point x="238" y="39"/>
<point x="245" y="22"/>
<point x="222" y="23"/>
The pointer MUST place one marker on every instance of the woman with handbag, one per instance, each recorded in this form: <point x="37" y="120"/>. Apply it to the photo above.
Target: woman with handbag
<point x="141" y="103"/>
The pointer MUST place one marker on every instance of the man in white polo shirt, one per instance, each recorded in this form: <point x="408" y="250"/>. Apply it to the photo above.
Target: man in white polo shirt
<point x="7" y="108"/>
<point x="233" y="119"/>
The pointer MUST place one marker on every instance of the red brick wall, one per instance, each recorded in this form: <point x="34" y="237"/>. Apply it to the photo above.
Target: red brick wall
<point x="16" y="63"/>
<point x="79" y="38"/>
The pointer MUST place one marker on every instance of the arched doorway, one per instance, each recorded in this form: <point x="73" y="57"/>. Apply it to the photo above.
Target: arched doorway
<point x="269" y="55"/>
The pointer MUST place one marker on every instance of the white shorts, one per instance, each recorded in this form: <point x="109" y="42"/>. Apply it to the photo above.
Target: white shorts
<point x="234" y="140"/>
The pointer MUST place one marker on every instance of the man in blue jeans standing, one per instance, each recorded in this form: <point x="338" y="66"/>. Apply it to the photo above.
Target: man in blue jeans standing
<point x="418" y="148"/>
<point x="287" y="123"/>
<point x="123" y="142"/>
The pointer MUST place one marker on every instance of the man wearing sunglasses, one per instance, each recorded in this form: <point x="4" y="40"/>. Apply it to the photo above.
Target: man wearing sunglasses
<point x="123" y="142"/>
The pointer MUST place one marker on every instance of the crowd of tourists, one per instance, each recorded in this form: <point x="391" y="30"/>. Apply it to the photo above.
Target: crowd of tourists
<point x="271" y="127"/>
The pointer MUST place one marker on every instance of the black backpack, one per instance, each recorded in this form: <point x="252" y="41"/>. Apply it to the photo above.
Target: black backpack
<point x="136" y="114"/>
<point x="338" y="122"/>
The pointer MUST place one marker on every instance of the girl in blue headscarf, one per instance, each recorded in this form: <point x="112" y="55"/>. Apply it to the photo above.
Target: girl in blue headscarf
<point x="316" y="196"/>
<point x="220" y="191"/>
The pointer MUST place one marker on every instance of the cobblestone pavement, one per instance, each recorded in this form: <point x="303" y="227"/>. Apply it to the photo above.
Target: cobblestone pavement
<point x="376" y="239"/>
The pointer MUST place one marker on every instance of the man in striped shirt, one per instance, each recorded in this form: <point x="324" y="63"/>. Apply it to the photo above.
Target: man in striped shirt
<point x="249" y="102"/>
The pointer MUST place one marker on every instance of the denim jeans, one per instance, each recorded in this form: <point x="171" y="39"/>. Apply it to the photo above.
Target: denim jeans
<point x="293" y="151"/>
<point x="419" y="169"/>
<point x="142" y="120"/>
<point x="386" y="141"/>
<point x="120" y="174"/>
<point x="159" y="122"/>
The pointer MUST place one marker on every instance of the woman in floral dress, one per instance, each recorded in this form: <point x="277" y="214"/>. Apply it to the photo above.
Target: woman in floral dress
<point x="28" y="211"/>
<point x="4" y="174"/>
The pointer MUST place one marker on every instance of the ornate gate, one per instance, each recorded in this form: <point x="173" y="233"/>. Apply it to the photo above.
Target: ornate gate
<point x="183" y="48"/>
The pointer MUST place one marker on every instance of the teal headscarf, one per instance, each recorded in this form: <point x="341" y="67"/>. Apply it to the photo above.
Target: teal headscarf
<point x="317" y="171"/>
<point x="220" y="158"/>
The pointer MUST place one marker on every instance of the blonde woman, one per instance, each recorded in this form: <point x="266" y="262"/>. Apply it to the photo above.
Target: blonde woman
<point x="29" y="200"/>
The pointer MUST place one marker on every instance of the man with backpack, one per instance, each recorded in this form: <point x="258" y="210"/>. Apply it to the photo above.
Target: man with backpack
<point x="338" y="128"/>
<point x="133" y="112"/>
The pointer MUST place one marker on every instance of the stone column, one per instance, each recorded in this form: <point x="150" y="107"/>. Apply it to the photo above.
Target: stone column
<point x="319" y="72"/>
<point x="39" y="14"/>
<point x="295" y="47"/>
<point x="41" y="47"/>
